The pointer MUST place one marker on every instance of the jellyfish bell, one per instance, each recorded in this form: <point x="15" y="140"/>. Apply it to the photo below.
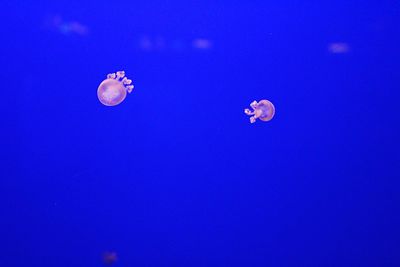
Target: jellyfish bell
<point x="263" y="110"/>
<point x="113" y="90"/>
<point x="267" y="110"/>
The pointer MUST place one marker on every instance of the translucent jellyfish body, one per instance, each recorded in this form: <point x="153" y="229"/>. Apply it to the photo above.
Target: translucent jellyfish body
<point x="112" y="91"/>
<point x="263" y="110"/>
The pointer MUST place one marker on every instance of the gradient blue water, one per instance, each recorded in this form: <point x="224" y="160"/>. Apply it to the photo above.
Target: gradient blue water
<point x="176" y="175"/>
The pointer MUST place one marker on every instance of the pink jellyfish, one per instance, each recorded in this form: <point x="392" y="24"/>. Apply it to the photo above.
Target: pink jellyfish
<point x="263" y="110"/>
<point x="112" y="91"/>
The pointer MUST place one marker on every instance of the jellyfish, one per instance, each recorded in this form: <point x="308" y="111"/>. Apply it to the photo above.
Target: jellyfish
<point x="112" y="91"/>
<point x="263" y="110"/>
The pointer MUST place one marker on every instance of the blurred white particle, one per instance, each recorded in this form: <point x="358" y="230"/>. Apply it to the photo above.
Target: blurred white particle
<point x="202" y="43"/>
<point x="145" y="44"/>
<point x="66" y="27"/>
<point x="338" y="48"/>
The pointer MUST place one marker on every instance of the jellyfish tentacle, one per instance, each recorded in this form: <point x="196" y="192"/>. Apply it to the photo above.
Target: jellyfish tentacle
<point x="120" y="74"/>
<point x="248" y="111"/>
<point x="111" y="76"/>
<point x="254" y="105"/>
<point x="127" y="81"/>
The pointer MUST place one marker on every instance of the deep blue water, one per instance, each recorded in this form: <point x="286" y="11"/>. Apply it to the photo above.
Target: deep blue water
<point x="176" y="175"/>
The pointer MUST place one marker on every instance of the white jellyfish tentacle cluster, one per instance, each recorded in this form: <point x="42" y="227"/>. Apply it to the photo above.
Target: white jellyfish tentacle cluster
<point x="112" y="91"/>
<point x="120" y="76"/>
<point x="253" y="105"/>
<point x="263" y="110"/>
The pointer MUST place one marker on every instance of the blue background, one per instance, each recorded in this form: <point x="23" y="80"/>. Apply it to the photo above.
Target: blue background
<point x="176" y="175"/>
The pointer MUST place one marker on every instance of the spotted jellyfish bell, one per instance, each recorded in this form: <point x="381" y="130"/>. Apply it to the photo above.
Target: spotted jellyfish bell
<point x="112" y="91"/>
<point x="263" y="110"/>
